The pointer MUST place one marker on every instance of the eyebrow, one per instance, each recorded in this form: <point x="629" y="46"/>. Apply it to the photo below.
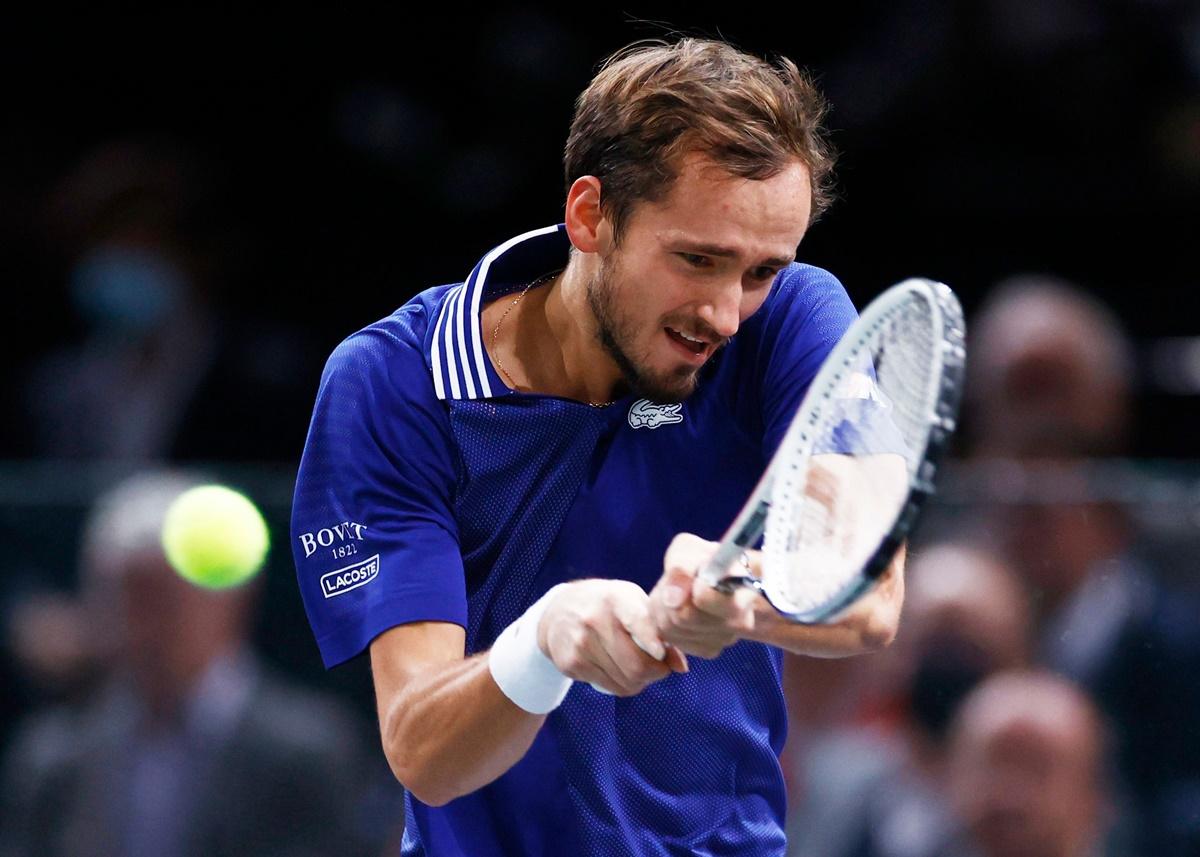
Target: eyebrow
<point x="725" y="252"/>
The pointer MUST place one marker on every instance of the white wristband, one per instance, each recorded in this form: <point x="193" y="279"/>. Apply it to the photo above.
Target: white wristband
<point x="520" y="670"/>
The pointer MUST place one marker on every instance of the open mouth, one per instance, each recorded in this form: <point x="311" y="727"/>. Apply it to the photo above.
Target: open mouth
<point x="694" y="347"/>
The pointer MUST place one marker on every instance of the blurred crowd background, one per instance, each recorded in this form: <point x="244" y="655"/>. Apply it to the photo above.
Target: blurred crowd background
<point x="189" y="224"/>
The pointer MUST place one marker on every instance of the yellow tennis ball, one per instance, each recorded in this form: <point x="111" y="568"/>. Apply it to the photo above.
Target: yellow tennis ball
<point x="215" y="537"/>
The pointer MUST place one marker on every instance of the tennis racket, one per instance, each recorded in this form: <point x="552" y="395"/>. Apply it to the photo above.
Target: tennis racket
<point x="846" y="486"/>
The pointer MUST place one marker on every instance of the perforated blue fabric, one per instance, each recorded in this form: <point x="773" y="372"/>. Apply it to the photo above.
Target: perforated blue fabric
<point x="539" y="490"/>
<point x="376" y="482"/>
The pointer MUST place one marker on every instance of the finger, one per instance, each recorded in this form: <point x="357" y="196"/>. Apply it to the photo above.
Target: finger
<point x="616" y="682"/>
<point x="688" y="552"/>
<point x="735" y="609"/>
<point x="624" y="660"/>
<point x="637" y="621"/>
<point x="637" y="618"/>
<point x="706" y="645"/>
<point x="598" y="647"/>
<point x="675" y="588"/>
<point x="672" y="658"/>
<point x="684" y="624"/>
<point x="658" y="651"/>
<point x="719" y="607"/>
<point x="676" y="660"/>
<point x="604" y="675"/>
<point x="703" y="648"/>
<point x="637" y="666"/>
<point x="684" y="557"/>
<point x="579" y="654"/>
<point x="701" y="634"/>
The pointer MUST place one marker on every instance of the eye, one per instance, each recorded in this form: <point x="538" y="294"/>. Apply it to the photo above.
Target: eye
<point x="765" y="273"/>
<point x="695" y="260"/>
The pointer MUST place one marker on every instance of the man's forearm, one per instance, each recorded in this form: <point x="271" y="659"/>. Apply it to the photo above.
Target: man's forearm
<point x="450" y="731"/>
<point x="867" y="625"/>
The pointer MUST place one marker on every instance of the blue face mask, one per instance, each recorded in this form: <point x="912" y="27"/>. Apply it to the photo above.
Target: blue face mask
<point x="126" y="289"/>
<point x="944" y="675"/>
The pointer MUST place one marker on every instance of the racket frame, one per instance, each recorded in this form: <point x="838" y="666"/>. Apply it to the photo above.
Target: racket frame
<point x="748" y="527"/>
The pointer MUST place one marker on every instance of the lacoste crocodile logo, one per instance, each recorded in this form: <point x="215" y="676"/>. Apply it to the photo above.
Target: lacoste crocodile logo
<point x="645" y="414"/>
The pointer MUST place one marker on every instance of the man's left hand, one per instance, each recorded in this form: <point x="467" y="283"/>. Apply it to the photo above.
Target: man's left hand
<point x="692" y="615"/>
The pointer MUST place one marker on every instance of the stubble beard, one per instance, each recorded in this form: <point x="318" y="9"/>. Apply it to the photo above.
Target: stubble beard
<point x="615" y="333"/>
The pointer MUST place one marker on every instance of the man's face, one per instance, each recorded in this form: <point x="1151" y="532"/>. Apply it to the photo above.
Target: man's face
<point x="169" y="629"/>
<point x="691" y="268"/>
<point x="1029" y="790"/>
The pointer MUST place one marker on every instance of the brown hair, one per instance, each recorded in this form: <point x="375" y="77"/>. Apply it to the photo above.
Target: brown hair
<point x="651" y="103"/>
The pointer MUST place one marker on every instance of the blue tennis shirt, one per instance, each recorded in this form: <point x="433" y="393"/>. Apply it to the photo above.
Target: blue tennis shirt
<point x="429" y="490"/>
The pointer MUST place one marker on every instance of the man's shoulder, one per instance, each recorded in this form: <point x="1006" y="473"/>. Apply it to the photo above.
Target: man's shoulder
<point x="805" y="301"/>
<point x="392" y="353"/>
<point x="409" y="326"/>
<point x="802" y="286"/>
<point x="777" y="351"/>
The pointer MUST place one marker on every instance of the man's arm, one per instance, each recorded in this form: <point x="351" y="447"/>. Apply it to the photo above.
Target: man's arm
<point x="447" y="728"/>
<point x="446" y="725"/>
<point x="867" y="625"/>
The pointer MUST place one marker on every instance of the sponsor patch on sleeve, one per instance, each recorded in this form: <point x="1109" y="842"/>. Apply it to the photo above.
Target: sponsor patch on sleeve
<point x="351" y="577"/>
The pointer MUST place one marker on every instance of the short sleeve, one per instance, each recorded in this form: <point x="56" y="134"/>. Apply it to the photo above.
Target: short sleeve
<point x="807" y="314"/>
<point x="373" y="531"/>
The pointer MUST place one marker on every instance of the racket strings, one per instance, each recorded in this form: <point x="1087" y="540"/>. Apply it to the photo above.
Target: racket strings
<point x="905" y="367"/>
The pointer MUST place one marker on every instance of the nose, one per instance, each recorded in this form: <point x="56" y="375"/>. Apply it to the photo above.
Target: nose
<point x="723" y="312"/>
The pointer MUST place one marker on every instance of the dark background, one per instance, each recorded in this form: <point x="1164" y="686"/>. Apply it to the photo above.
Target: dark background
<point x="314" y="170"/>
<point x="345" y="161"/>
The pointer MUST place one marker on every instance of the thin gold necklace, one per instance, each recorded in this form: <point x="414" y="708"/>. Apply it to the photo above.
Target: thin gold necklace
<point x="496" y="333"/>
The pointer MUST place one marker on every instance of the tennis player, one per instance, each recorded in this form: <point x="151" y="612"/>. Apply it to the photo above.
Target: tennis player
<point x="494" y="472"/>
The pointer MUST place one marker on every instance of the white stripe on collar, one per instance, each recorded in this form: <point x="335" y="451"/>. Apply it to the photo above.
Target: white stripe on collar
<point x="457" y="358"/>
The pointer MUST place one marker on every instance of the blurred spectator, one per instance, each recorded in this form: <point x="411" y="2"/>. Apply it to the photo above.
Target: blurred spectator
<point x="192" y="746"/>
<point x="1050" y="373"/>
<point x="161" y="369"/>
<point x="1050" y="389"/>
<point x="876" y="791"/>
<point x="1026" y="770"/>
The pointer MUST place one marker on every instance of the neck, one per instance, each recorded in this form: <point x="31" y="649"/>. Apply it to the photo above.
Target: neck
<point x="549" y="342"/>
<point x="590" y="371"/>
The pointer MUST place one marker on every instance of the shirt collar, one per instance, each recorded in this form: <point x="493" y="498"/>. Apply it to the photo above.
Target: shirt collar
<point x="457" y="358"/>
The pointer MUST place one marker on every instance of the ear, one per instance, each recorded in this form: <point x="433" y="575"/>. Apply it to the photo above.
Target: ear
<point x="588" y="228"/>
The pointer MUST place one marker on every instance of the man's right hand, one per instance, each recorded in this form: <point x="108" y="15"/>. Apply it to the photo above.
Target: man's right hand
<point x="601" y="632"/>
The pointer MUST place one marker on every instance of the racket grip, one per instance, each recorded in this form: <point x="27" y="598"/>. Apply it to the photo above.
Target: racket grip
<point x="715" y="572"/>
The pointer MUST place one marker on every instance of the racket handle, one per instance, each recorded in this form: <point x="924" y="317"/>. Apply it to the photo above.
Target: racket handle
<point x="716" y="571"/>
